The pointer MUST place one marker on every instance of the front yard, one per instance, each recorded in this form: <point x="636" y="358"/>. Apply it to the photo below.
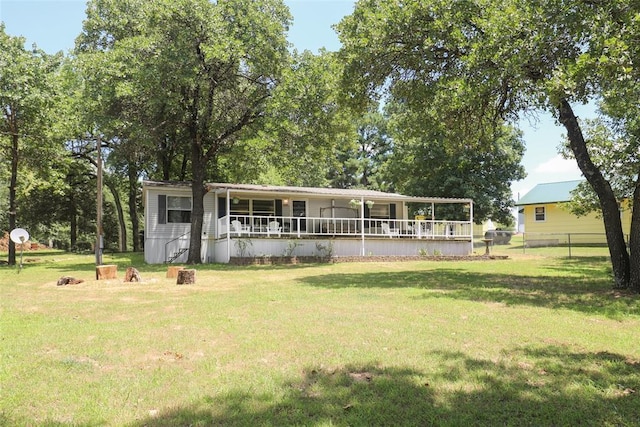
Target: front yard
<point x="530" y="340"/>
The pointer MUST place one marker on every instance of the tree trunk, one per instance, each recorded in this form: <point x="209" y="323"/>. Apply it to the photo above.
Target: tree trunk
<point x="634" y="240"/>
<point x="73" y="222"/>
<point x="121" y="221"/>
<point x="198" y="170"/>
<point x="133" y="207"/>
<point x="12" y="195"/>
<point x="166" y="152"/>
<point x="197" y="218"/>
<point x="183" y="167"/>
<point x="608" y="202"/>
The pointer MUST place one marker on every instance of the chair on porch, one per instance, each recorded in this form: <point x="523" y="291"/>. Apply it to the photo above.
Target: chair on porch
<point x="420" y="229"/>
<point x="389" y="231"/>
<point x="239" y="227"/>
<point x="274" y="228"/>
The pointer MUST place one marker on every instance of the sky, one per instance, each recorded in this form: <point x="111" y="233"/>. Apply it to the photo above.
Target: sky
<point x="54" y="24"/>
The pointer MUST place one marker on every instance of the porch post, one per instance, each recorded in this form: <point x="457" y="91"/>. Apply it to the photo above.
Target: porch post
<point x="471" y="224"/>
<point x="228" y="226"/>
<point x="362" y="223"/>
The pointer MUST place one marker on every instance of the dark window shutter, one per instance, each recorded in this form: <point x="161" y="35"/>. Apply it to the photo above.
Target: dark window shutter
<point x="162" y="209"/>
<point x="367" y="211"/>
<point x="222" y="206"/>
<point x="392" y="211"/>
<point x="278" y="207"/>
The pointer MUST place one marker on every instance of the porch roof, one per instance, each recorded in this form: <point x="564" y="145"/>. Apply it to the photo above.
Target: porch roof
<point x="347" y="193"/>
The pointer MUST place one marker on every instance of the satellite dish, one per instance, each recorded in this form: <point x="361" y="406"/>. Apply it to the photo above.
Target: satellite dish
<point x="19" y="235"/>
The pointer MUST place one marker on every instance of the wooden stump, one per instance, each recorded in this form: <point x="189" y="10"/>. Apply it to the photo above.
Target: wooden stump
<point x="186" y="277"/>
<point x="172" y="271"/>
<point x="67" y="280"/>
<point x="105" y="272"/>
<point x="132" y="275"/>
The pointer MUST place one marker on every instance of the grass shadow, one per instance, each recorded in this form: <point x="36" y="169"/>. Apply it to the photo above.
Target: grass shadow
<point x="532" y="386"/>
<point x="587" y="289"/>
<point x="51" y="259"/>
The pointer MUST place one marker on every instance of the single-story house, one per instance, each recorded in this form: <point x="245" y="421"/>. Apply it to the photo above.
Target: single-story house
<point x="546" y="217"/>
<point x="243" y="220"/>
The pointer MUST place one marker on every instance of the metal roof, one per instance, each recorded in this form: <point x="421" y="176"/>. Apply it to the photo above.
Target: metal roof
<point x="551" y="192"/>
<point x="354" y="193"/>
<point x="329" y="192"/>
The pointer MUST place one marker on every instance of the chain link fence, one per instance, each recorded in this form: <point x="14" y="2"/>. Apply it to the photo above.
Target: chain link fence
<point x="551" y="244"/>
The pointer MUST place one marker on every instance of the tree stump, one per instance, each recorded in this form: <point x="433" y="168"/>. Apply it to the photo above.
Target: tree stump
<point x="172" y="271"/>
<point x="186" y="277"/>
<point x="105" y="272"/>
<point x="67" y="280"/>
<point x="132" y="275"/>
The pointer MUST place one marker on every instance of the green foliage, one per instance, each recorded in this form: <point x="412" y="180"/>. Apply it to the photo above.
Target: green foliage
<point x="429" y="160"/>
<point x="325" y="250"/>
<point x="613" y="147"/>
<point x="365" y="163"/>
<point x="468" y="68"/>
<point x="29" y="95"/>
<point x="191" y="74"/>
<point x="244" y="247"/>
<point x="305" y="126"/>
<point x="446" y="118"/>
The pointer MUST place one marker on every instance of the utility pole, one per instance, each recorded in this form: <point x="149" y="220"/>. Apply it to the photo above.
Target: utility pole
<point x="99" y="204"/>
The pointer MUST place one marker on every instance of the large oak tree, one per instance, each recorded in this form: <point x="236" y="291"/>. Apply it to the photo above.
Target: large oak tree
<point x="481" y="63"/>
<point x="204" y="70"/>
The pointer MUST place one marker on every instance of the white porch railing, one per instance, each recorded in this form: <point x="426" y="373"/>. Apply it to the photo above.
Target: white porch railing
<point x="296" y="227"/>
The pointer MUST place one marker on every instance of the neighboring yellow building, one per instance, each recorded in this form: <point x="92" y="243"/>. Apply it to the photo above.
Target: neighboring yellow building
<point x="544" y="213"/>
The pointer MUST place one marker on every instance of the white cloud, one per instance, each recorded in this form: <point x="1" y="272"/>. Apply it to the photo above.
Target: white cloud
<point x="558" y="165"/>
<point x="555" y="169"/>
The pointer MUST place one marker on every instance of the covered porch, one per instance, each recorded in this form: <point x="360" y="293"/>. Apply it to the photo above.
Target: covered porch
<point x="304" y="227"/>
<point x="253" y="220"/>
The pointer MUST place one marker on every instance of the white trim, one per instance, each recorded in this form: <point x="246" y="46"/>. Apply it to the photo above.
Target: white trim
<point x="228" y="226"/>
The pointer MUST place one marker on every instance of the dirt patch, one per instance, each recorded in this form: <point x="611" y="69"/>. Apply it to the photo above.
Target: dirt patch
<point x="29" y="246"/>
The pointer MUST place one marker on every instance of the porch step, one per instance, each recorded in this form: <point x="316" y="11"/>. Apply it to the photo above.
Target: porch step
<point x="176" y="255"/>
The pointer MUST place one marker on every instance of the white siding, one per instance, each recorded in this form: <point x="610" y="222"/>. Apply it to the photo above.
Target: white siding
<point x="346" y="247"/>
<point x="158" y="237"/>
<point x="153" y="230"/>
<point x="208" y="226"/>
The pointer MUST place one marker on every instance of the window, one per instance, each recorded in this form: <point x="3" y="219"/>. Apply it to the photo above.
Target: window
<point x="178" y="209"/>
<point x="380" y="211"/>
<point x="240" y="207"/>
<point x="264" y="207"/>
<point x="253" y="207"/>
<point x="540" y="213"/>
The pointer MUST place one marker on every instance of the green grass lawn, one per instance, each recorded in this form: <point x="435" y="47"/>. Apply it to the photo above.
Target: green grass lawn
<point x="530" y="340"/>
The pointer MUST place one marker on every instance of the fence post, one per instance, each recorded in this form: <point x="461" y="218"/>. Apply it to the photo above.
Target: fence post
<point x="569" y="235"/>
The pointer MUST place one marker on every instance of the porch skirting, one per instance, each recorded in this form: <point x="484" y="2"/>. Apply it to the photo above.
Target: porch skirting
<point x="334" y="260"/>
<point x="225" y="249"/>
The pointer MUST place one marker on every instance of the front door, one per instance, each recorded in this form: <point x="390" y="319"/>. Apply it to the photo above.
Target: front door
<point x="299" y="213"/>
